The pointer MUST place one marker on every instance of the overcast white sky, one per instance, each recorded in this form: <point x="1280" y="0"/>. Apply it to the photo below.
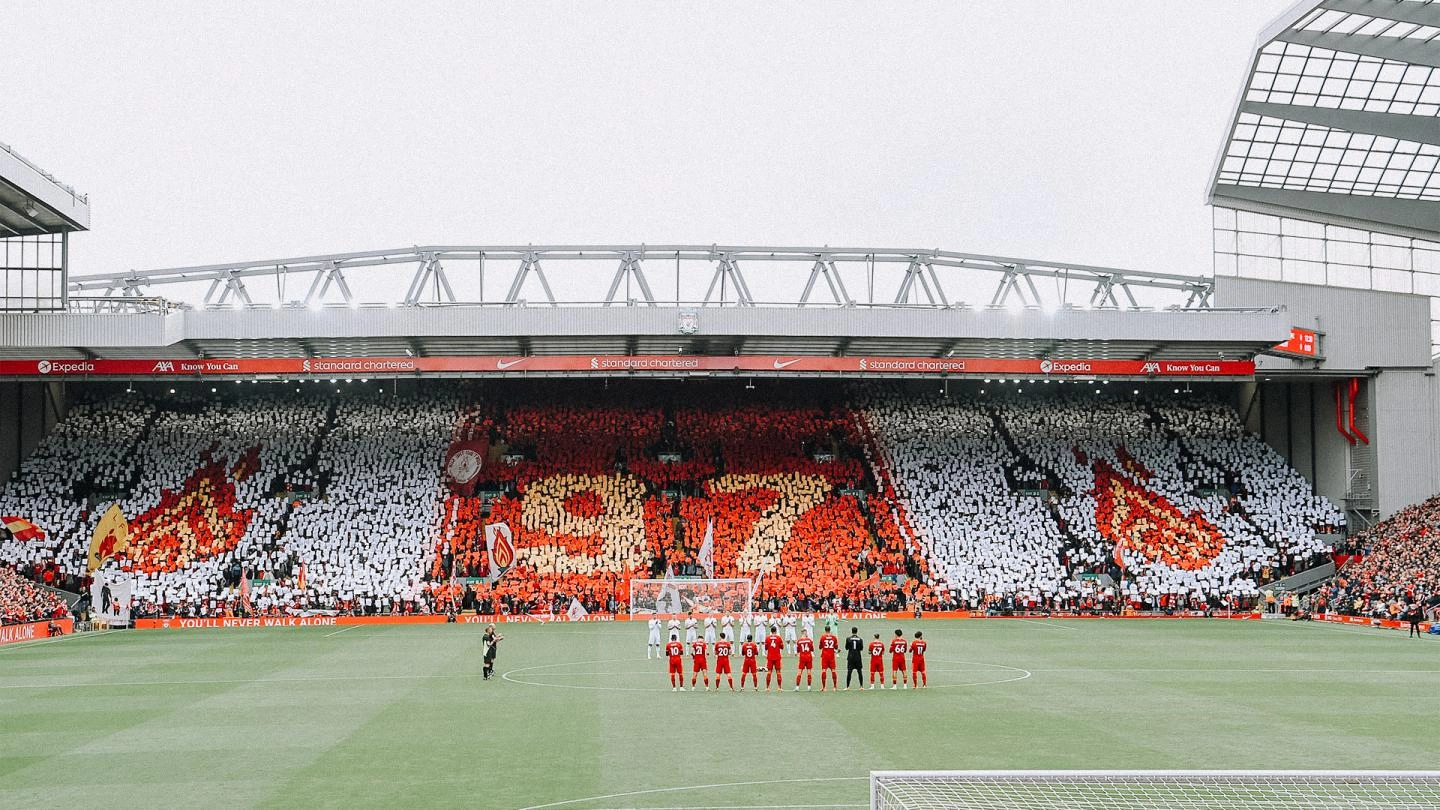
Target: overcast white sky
<point x="1074" y="131"/>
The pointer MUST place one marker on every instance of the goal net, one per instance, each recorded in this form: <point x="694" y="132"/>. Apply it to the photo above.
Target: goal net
<point x="1146" y="790"/>
<point x="682" y="595"/>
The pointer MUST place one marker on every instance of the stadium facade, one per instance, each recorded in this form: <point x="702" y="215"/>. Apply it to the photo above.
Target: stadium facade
<point x="1322" y="316"/>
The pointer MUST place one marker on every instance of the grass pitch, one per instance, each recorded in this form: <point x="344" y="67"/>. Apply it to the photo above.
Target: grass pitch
<point x="398" y="716"/>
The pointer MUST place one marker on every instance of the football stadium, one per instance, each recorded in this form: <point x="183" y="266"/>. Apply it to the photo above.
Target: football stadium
<point x="488" y="524"/>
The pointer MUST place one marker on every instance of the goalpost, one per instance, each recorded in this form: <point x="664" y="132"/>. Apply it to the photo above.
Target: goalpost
<point x="1146" y="790"/>
<point x="684" y="594"/>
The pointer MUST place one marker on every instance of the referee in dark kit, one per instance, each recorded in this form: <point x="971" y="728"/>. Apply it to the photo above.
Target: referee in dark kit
<point x="854" y="646"/>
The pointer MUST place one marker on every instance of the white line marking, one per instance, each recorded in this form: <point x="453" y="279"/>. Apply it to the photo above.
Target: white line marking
<point x="1046" y="624"/>
<point x="37" y="642"/>
<point x="1025" y="674"/>
<point x="341" y="630"/>
<point x="703" y="787"/>
<point x="506" y="677"/>
<point x="1369" y="632"/>
<point x="103" y="684"/>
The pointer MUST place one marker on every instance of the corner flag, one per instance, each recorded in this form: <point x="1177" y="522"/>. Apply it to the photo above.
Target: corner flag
<point x="576" y="611"/>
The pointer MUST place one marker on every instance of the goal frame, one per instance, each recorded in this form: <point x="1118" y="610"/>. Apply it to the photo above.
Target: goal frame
<point x="1099" y="777"/>
<point x="687" y="588"/>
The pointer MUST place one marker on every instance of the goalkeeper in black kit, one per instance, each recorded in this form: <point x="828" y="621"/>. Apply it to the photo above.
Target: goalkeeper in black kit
<point x="854" y="650"/>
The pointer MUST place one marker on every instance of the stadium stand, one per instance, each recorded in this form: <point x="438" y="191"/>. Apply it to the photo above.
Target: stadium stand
<point x="1016" y="494"/>
<point x="868" y="496"/>
<point x="23" y="601"/>
<point x="1399" y="566"/>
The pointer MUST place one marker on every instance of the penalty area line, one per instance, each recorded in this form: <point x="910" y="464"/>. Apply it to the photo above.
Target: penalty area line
<point x="342" y="630"/>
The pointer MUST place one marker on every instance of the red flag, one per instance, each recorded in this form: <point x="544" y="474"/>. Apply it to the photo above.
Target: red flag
<point x="22" y="529"/>
<point x="300" y="578"/>
<point x="1119" y="560"/>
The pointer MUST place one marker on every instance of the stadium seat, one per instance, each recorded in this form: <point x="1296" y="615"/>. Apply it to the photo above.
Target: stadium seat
<point x="880" y="499"/>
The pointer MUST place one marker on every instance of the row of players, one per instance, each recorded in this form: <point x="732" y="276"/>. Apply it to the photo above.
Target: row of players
<point x="805" y="647"/>
<point x="785" y="623"/>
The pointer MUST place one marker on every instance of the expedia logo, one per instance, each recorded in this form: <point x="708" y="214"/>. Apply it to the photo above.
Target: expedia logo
<point x="163" y="365"/>
<point x="78" y="367"/>
<point x="1063" y="368"/>
<point x="1046" y="366"/>
<point x="1150" y="368"/>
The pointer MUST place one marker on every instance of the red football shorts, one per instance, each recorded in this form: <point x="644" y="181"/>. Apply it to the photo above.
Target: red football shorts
<point x="722" y="665"/>
<point x="898" y="662"/>
<point x="918" y="665"/>
<point x="877" y="664"/>
<point x="827" y="661"/>
<point x="676" y="667"/>
<point x="699" y="665"/>
<point x="807" y="662"/>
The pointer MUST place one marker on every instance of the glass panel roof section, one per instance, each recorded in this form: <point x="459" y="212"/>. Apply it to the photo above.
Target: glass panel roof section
<point x="1276" y="153"/>
<point x="1342" y="101"/>
<point x="1332" y="21"/>
<point x="1288" y="73"/>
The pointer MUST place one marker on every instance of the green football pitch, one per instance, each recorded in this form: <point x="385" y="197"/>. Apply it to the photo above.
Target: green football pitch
<point x="398" y="716"/>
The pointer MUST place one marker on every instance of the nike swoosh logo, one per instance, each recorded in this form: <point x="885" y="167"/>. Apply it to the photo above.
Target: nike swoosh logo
<point x="504" y="364"/>
<point x="779" y="364"/>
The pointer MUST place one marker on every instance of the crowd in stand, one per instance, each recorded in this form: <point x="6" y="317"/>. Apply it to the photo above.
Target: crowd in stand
<point x="283" y="504"/>
<point x="1399" y="567"/>
<point x="23" y="601"/>
<point x="1017" y="495"/>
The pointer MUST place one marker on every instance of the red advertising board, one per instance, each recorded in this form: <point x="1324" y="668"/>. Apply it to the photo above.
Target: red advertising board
<point x="1302" y="343"/>
<point x="178" y="623"/>
<point x="302" y="367"/>
<point x="31" y="631"/>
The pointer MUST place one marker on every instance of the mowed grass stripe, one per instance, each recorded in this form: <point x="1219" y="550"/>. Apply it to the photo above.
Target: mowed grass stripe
<point x="396" y="716"/>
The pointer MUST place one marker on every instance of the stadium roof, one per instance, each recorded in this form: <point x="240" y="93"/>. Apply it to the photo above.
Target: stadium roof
<point x="1339" y="118"/>
<point x="644" y="300"/>
<point x="33" y="202"/>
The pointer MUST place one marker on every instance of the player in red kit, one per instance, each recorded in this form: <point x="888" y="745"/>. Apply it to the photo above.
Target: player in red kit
<point x="676" y="652"/>
<point x="897" y="660"/>
<point x="806" y="649"/>
<point x="877" y="661"/>
<point x="917" y="661"/>
<point x="774" y="645"/>
<point x="697" y="666"/>
<point x="722" y="662"/>
<point x="749" y="656"/>
<point x="828" y="645"/>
